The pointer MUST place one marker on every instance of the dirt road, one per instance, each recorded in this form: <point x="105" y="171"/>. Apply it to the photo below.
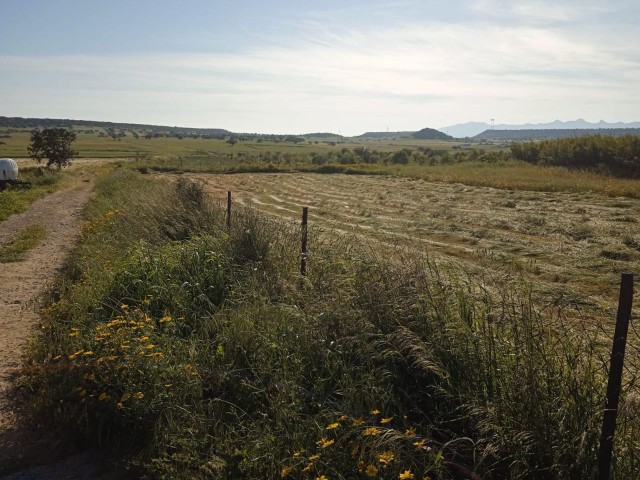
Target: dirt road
<point x="21" y="282"/>
<point x="21" y="445"/>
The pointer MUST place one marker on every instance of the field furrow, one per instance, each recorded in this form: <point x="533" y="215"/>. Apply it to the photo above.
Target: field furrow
<point x="565" y="243"/>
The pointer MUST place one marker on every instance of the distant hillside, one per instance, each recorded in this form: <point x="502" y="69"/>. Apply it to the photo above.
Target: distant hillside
<point x="431" y="134"/>
<point x="323" y="135"/>
<point x="542" y="134"/>
<point x="471" y="129"/>
<point x="19" y="122"/>
<point x="385" y="135"/>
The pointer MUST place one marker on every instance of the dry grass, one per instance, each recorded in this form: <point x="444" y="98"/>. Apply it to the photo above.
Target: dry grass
<point x="570" y="245"/>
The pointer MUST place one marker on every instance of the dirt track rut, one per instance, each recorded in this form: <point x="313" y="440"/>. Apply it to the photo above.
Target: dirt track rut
<point x="20" y="285"/>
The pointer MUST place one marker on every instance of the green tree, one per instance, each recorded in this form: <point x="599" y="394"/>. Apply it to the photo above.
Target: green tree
<point x="53" y="144"/>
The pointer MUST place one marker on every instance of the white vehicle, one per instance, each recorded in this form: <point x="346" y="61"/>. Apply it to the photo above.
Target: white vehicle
<point x="8" y="169"/>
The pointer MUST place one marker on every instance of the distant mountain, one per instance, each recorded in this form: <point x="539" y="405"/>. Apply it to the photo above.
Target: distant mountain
<point x="471" y="129"/>
<point x="431" y="134"/>
<point x="462" y="130"/>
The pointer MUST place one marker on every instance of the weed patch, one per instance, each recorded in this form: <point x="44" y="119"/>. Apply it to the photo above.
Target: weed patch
<point x="25" y="240"/>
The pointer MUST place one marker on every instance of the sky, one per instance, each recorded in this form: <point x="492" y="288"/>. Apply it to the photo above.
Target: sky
<point x="303" y="66"/>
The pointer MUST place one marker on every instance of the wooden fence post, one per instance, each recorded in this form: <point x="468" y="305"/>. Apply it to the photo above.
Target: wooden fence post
<point x="228" y="209"/>
<point x="615" y="376"/>
<point x="303" y="257"/>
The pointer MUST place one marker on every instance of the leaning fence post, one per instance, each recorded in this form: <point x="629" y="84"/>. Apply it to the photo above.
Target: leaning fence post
<point x="303" y="257"/>
<point x="228" y="209"/>
<point x="615" y="376"/>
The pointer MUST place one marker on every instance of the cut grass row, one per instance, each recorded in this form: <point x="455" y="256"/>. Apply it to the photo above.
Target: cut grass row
<point x="196" y="352"/>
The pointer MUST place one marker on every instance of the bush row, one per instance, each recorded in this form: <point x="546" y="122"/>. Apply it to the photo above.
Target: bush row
<point x="619" y="156"/>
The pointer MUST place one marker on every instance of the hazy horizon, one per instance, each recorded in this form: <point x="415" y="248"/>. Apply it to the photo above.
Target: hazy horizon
<point x="344" y="68"/>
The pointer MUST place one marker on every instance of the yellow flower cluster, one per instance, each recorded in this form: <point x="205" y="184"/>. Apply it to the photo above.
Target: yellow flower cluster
<point x="388" y="461"/>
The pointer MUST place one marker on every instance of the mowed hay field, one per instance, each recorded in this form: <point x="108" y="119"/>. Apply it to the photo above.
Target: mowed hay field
<point x="571" y="246"/>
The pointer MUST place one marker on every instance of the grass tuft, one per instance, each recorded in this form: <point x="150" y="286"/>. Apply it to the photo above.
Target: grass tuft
<point x="25" y="240"/>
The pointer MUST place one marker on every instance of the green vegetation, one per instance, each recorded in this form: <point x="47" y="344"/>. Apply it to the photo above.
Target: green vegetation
<point x="619" y="156"/>
<point x="198" y="352"/>
<point x="124" y="144"/>
<point x="434" y="160"/>
<point x="43" y="182"/>
<point x="552" y="133"/>
<point x="25" y="240"/>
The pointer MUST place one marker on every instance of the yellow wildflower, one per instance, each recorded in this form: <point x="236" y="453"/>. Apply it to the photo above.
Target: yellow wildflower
<point x="74" y="334"/>
<point x="87" y="353"/>
<point x="143" y="339"/>
<point x="405" y="475"/>
<point x="371" y="471"/>
<point x="322" y="477"/>
<point x="120" y="406"/>
<point x="333" y="426"/>
<point x="165" y="319"/>
<point x="285" y="471"/>
<point x="386" y="458"/>
<point x="324" y="443"/>
<point x="104" y="397"/>
<point x="125" y="397"/>
<point x="386" y="420"/>
<point x="151" y="345"/>
<point x="356" y="422"/>
<point x="309" y="467"/>
<point x="411" y="431"/>
<point x="419" y="443"/>
<point x="138" y="395"/>
<point x="371" y="431"/>
<point x="124" y="306"/>
<point x="375" y="412"/>
<point x="342" y="418"/>
<point x="313" y="458"/>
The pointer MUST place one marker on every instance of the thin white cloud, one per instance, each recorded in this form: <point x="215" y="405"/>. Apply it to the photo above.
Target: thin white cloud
<point x="536" y="11"/>
<point x="416" y="75"/>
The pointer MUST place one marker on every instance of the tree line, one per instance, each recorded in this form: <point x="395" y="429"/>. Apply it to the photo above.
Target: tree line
<point x="617" y="156"/>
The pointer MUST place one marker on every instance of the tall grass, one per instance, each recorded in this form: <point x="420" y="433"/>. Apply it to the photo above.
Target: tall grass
<point x="194" y="351"/>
